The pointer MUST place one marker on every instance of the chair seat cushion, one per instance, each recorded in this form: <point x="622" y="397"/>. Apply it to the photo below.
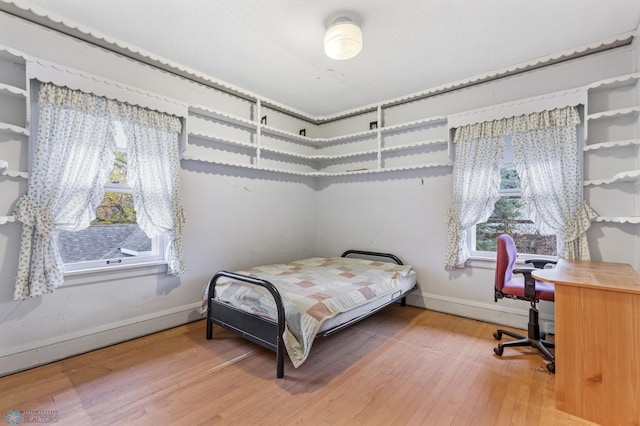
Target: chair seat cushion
<point x="515" y="287"/>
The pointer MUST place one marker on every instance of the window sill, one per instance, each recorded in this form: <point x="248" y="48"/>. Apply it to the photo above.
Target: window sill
<point x="94" y="275"/>
<point x="519" y="261"/>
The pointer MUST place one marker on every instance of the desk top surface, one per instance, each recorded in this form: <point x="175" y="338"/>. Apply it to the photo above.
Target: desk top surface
<point x="611" y="276"/>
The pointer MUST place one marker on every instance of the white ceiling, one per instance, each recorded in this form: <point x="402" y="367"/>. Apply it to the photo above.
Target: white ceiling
<point x="273" y="48"/>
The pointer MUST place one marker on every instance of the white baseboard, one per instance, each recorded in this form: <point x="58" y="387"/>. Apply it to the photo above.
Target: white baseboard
<point x="493" y="313"/>
<point x="53" y="349"/>
<point x="59" y="347"/>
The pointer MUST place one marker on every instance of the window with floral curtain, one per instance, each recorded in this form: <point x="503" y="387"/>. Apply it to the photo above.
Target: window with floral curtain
<point x="546" y="157"/>
<point x="73" y="156"/>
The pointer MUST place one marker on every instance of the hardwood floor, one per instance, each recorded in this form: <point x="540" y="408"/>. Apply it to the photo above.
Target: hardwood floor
<point x="402" y="366"/>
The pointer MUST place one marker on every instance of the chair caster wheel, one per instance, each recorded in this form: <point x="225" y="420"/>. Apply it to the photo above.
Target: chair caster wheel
<point x="497" y="335"/>
<point x="498" y="350"/>
<point x="551" y="367"/>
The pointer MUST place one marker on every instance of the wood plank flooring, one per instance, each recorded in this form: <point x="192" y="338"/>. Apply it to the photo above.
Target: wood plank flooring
<point x="404" y="366"/>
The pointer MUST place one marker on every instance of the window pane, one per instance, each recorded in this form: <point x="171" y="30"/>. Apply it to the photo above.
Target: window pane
<point x="509" y="178"/>
<point x="509" y="217"/>
<point x="116" y="208"/>
<point x="113" y="234"/>
<point x="103" y="242"/>
<point x="114" y="237"/>
<point x="119" y="171"/>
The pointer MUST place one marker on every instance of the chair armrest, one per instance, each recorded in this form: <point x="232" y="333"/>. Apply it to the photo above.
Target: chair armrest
<point x="540" y="263"/>
<point x="529" y="281"/>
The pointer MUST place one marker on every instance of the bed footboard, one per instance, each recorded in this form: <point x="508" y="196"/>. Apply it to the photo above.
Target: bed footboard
<point x="262" y="331"/>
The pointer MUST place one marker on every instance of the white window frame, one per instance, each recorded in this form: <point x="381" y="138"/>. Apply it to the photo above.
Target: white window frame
<point x="508" y="159"/>
<point x="156" y="257"/>
<point x="158" y="244"/>
<point x="89" y="266"/>
<point x="491" y="255"/>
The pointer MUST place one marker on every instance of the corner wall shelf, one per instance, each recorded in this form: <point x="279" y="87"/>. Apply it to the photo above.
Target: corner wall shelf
<point x="288" y="135"/>
<point x="186" y="156"/>
<point x="610" y="219"/>
<point x="614" y="113"/>
<point x="315" y="157"/>
<point x="612" y="144"/>
<point x="5" y="171"/>
<point x="220" y="139"/>
<point x="266" y="147"/>
<point x="351" y="136"/>
<point x="627" y="176"/>
<point x="615" y="82"/>
<point x="5" y="127"/>
<point x="612" y="124"/>
<point x="414" y="145"/>
<point x="7" y="89"/>
<point x="222" y="116"/>
<point x="441" y="119"/>
<point x="14" y="118"/>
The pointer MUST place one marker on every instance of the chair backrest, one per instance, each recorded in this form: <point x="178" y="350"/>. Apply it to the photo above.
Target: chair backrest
<point x="505" y="259"/>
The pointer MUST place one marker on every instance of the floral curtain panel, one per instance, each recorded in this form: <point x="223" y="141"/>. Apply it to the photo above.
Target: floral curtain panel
<point x="547" y="160"/>
<point x="154" y="175"/>
<point x="479" y="150"/>
<point x="74" y="155"/>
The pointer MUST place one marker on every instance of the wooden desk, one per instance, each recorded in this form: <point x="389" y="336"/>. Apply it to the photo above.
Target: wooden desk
<point x="597" y="316"/>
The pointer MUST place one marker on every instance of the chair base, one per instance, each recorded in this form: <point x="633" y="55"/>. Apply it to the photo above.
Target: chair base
<point x="533" y="340"/>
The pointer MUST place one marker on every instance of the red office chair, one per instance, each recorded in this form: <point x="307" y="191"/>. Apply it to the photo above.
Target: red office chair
<point x="522" y="287"/>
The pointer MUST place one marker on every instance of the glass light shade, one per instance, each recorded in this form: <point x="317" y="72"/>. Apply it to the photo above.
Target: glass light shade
<point x="343" y="40"/>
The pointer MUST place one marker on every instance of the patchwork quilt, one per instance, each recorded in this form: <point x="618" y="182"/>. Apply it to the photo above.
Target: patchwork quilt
<point x="313" y="290"/>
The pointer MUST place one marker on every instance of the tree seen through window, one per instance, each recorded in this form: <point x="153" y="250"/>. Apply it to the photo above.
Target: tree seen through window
<point x="117" y="206"/>
<point x="509" y="217"/>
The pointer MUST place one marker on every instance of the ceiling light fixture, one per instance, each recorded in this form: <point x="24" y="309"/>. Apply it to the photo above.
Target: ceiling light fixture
<point x="343" y="39"/>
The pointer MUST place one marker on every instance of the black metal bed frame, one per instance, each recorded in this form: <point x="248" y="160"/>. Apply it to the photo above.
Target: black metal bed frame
<point x="264" y="331"/>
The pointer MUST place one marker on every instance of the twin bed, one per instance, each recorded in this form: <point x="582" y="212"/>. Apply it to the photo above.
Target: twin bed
<point x="286" y="306"/>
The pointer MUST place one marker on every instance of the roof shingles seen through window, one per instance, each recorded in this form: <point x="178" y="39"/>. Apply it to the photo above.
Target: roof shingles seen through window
<point x="101" y="242"/>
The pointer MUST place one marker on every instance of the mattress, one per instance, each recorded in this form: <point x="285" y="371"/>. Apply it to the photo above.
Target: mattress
<point x="405" y="284"/>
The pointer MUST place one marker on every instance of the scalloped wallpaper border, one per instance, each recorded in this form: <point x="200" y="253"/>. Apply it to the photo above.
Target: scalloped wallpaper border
<point x="42" y="17"/>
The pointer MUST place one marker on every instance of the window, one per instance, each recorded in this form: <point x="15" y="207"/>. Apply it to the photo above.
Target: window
<point x="547" y="148"/>
<point x="114" y="237"/>
<point x="74" y="152"/>
<point x="510" y="216"/>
